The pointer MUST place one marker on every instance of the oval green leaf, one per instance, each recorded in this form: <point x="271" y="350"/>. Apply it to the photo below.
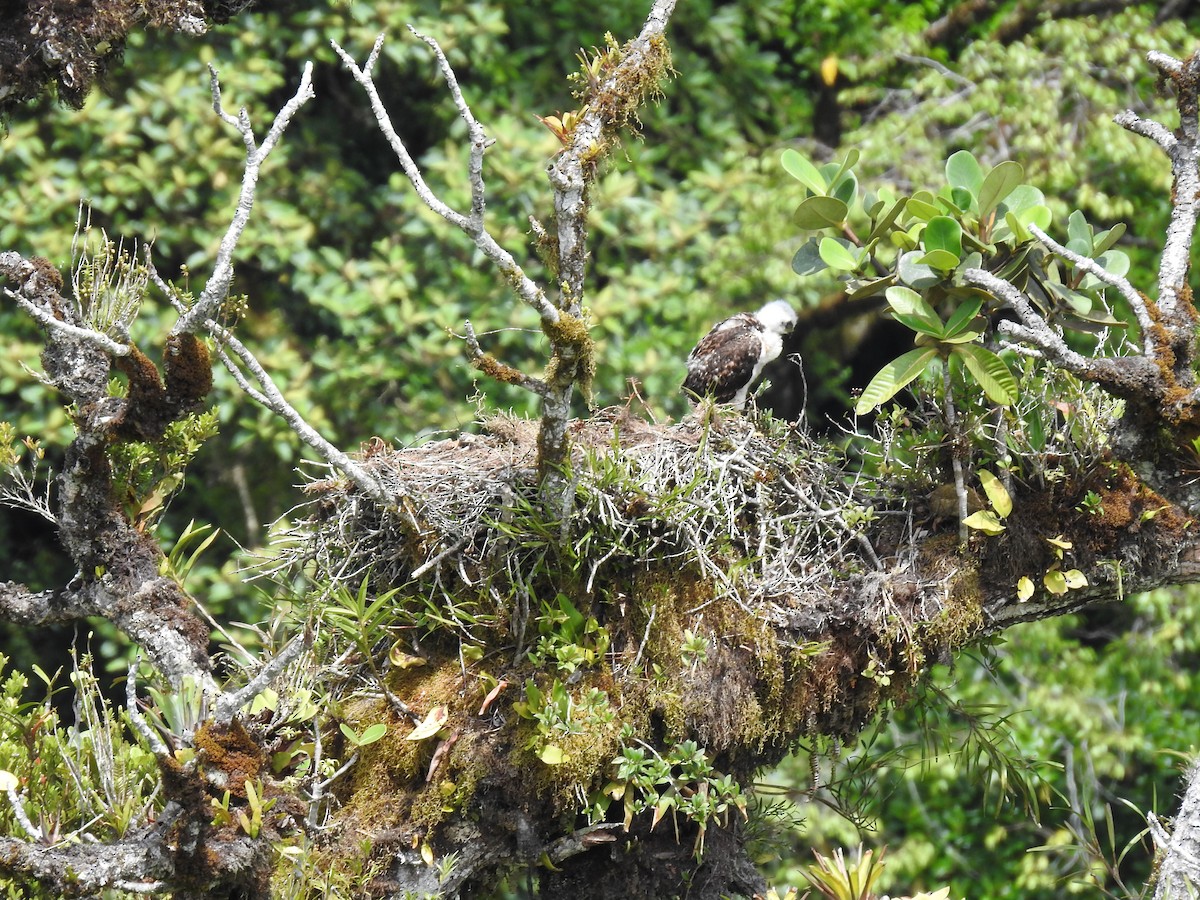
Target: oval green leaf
<point x="964" y="315"/>
<point x="1115" y="262"/>
<point x="907" y="301"/>
<point x="846" y="188"/>
<point x="1106" y="239"/>
<point x="820" y="212"/>
<point x="870" y="288"/>
<point x="893" y="377"/>
<point x="845" y="166"/>
<point x="372" y="734"/>
<point x="885" y="222"/>
<point x="915" y="273"/>
<point x="919" y="209"/>
<point x="803" y="171"/>
<point x="942" y="260"/>
<point x="1079" y="230"/>
<point x="837" y="254"/>
<point x="963" y="171"/>
<point x="999" y="183"/>
<point x="807" y="260"/>
<point x="1022" y="197"/>
<point x="1036" y="215"/>
<point x="962" y="199"/>
<point x="943" y="233"/>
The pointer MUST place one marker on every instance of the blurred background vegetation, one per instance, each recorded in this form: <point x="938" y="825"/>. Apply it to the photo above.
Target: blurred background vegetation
<point x="355" y="289"/>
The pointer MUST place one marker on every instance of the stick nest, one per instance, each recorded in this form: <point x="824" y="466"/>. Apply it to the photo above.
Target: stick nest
<point x="756" y="510"/>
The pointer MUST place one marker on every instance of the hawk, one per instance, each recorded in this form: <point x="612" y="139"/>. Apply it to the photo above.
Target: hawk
<point x="726" y="362"/>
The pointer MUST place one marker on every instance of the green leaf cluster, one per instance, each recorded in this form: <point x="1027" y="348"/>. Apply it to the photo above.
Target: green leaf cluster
<point x="680" y="782"/>
<point x="919" y="248"/>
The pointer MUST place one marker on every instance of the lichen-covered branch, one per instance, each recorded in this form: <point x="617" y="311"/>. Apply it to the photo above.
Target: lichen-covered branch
<point x="48" y="320"/>
<point x="471" y="224"/>
<point x="1179" y="867"/>
<point x="1174" y="305"/>
<point x="632" y="76"/>
<point x="117" y="564"/>
<point x="641" y="65"/>
<point x="217" y="287"/>
<point x="272" y="398"/>
<point x="496" y="370"/>
<point x="140" y="865"/>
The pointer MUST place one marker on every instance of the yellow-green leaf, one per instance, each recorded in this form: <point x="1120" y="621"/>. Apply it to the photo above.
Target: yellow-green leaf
<point x="430" y="725"/>
<point x="893" y="377"/>
<point x="403" y="660"/>
<point x="1075" y="579"/>
<point x="1024" y="588"/>
<point x="1055" y="582"/>
<point x="804" y="171"/>
<point x="990" y="371"/>
<point x="985" y="520"/>
<point x="8" y="781"/>
<point x="820" y="212"/>
<point x="837" y="255"/>
<point x="267" y="698"/>
<point x="996" y="494"/>
<point x="372" y="734"/>
<point x="998" y="184"/>
<point x="553" y="756"/>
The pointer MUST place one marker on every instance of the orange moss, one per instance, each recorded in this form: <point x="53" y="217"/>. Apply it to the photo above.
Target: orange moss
<point x="231" y="750"/>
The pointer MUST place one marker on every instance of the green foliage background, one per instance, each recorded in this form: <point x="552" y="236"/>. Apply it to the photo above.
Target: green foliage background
<point x="353" y="287"/>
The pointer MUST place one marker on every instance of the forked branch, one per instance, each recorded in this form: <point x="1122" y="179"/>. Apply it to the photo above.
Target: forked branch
<point x="217" y="287"/>
<point x="613" y="102"/>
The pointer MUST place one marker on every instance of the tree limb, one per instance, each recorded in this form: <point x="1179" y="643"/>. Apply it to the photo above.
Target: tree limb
<point x="1179" y="868"/>
<point x="1183" y="150"/>
<point x="217" y="288"/>
<point x="470" y="224"/>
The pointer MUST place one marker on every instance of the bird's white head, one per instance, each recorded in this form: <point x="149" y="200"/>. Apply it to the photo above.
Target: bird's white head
<point x="777" y="316"/>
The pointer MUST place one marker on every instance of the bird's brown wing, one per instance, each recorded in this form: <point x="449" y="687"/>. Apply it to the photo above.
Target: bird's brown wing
<point x="723" y="362"/>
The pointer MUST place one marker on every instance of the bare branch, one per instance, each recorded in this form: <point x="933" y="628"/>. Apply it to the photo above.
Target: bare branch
<point x="472" y="225"/>
<point x="1034" y="329"/>
<point x="101" y="340"/>
<point x="479" y="140"/>
<point x="217" y="288"/>
<point x="230" y="702"/>
<point x="272" y="398"/>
